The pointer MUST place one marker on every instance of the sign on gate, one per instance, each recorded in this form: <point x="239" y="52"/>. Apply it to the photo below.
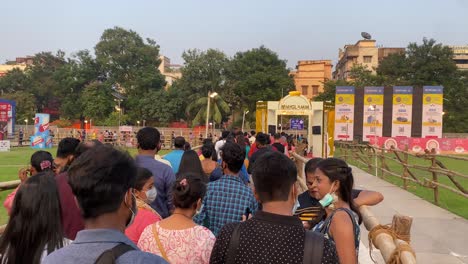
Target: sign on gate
<point x="297" y="124"/>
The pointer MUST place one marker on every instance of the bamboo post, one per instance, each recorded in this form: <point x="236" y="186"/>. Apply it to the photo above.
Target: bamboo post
<point x="405" y="170"/>
<point x="401" y="224"/>
<point x="384" y="242"/>
<point x="382" y="162"/>
<point x="435" y="179"/>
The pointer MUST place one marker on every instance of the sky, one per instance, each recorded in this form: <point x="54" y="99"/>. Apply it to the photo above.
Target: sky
<point x="294" y="29"/>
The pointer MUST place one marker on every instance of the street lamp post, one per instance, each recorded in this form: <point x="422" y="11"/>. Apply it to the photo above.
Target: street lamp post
<point x="138" y="123"/>
<point x="243" y="119"/>
<point x="86" y="129"/>
<point x="26" y="130"/>
<point x="210" y="95"/>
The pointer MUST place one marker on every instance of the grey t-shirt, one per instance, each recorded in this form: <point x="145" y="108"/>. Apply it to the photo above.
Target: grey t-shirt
<point x="90" y="244"/>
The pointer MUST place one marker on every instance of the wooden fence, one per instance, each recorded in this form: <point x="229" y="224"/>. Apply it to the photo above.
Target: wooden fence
<point x="392" y="240"/>
<point x="408" y="167"/>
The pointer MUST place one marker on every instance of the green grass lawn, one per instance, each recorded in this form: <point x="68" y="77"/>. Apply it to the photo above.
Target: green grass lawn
<point x="12" y="161"/>
<point x="451" y="201"/>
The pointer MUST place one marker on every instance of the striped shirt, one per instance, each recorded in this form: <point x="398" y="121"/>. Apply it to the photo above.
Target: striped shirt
<point x="226" y="200"/>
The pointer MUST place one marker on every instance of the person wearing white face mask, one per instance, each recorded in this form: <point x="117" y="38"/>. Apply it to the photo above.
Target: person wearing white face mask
<point x="145" y="194"/>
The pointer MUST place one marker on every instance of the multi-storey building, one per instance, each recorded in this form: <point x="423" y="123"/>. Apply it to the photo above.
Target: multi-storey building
<point x="364" y="52"/>
<point x="460" y="56"/>
<point x="310" y="75"/>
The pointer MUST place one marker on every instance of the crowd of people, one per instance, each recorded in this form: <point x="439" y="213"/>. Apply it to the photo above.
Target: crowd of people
<point x="235" y="200"/>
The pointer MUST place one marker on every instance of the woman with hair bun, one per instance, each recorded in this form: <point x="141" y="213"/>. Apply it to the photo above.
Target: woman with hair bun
<point x="333" y="185"/>
<point x="40" y="161"/>
<point x="177" y="238"/>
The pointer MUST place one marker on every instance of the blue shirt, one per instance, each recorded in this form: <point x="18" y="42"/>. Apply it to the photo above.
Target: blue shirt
<point x="90" y="244"/>
<point x="225" y="202"/>
<point x="174" y="157"/>
<point x="164" y="178"/>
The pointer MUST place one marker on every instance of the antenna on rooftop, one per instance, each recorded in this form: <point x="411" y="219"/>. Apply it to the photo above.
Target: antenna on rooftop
<point x="366" y="35"/>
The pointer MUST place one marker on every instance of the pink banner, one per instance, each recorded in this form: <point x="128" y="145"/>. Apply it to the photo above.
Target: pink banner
<point x="418" y="145"/>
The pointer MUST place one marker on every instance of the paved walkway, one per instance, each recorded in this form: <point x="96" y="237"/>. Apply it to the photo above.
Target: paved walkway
<point x="437" y="235"/>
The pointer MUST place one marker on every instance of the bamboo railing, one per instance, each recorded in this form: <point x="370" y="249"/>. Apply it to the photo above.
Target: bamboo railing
<point x="408" y="167"/>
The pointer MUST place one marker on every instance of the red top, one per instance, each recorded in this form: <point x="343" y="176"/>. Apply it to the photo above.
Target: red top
<point x="72" y="221"/>
<point x="143" y="218"/>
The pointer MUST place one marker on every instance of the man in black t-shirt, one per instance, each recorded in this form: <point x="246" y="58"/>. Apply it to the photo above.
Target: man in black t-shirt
<point x="277" y="144"/>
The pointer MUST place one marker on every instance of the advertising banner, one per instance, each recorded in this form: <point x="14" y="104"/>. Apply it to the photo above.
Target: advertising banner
<point x="41" y="138"/>
<point x="432" y="111"/>
<point x="373" y="112"/>
<point x="344" y="113"/>
<point x="402" y="111"/>
<point x="420" y="145"/>
<point x="7" y="118"/>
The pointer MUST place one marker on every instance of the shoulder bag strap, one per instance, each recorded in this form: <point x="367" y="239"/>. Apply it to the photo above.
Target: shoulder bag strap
<point x="158" y="242"/>
<point x="233" y="245"/>
<point x="111" y="255"/>
<point x="313" y="247"/>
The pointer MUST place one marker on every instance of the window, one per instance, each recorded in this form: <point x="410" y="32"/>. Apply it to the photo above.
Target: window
<point x="305" y="89"/>
<point x="315" y="89"/>
<point x="367" y="59"/>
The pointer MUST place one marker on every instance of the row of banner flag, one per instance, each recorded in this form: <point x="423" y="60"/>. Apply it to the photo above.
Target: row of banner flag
<point x="402" y="111"/>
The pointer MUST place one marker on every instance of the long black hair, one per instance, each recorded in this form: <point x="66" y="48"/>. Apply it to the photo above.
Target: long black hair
<point x="338" y="170"/>
<point x="190" y="163"/>
<point x="35" y="221"/>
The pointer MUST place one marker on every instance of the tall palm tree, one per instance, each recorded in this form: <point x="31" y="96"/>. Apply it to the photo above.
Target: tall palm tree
<point x="218" y="109"/>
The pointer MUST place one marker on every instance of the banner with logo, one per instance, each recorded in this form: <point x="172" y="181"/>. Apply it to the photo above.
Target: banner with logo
<point x="432" y="111"/>
<point x="402" y="111"/>
<point x="344" y="113"/>
<point x="421" y="145"/>
<point x="373" y="112"/>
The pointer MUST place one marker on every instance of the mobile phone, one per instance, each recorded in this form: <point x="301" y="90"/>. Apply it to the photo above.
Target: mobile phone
<point x="247" y="212"/>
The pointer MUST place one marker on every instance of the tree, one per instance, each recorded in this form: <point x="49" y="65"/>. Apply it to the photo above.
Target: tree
<point x="329" y="89"/>
<point x="14" y="81"/>
<point x="203" y="72"/>
<point x="129" y="61"/>
<point x="97" y="101"/>
<point x="218" y="109"/>
<point x="43" y="84"/>
<point x="131" y="64"/>
<point x="361" y="76"/>
<point x="430" y="63"/>
<point x="258" y="74"/>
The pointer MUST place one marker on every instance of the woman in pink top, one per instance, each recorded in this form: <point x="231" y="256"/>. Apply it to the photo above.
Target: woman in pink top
<point x="145" y="193"/>
<point x="40" y="161"/>
<point x="177" y="238"/>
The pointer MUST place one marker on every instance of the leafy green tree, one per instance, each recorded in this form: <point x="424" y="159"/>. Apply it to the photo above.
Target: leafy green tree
<point x="14" y="81"/>
<point x="97" y="101"/>
<point x="203" y="72"/>
<point x="361" y="76"/>
<point x="131" y="64"/>
<point x="218" y="109"/>
<point x="329" y="89"/>
<point x="258" y="74"/>
<point x="42" y="82"/>
<point x="129" y="61"/>
<point x="430" y="63"/>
